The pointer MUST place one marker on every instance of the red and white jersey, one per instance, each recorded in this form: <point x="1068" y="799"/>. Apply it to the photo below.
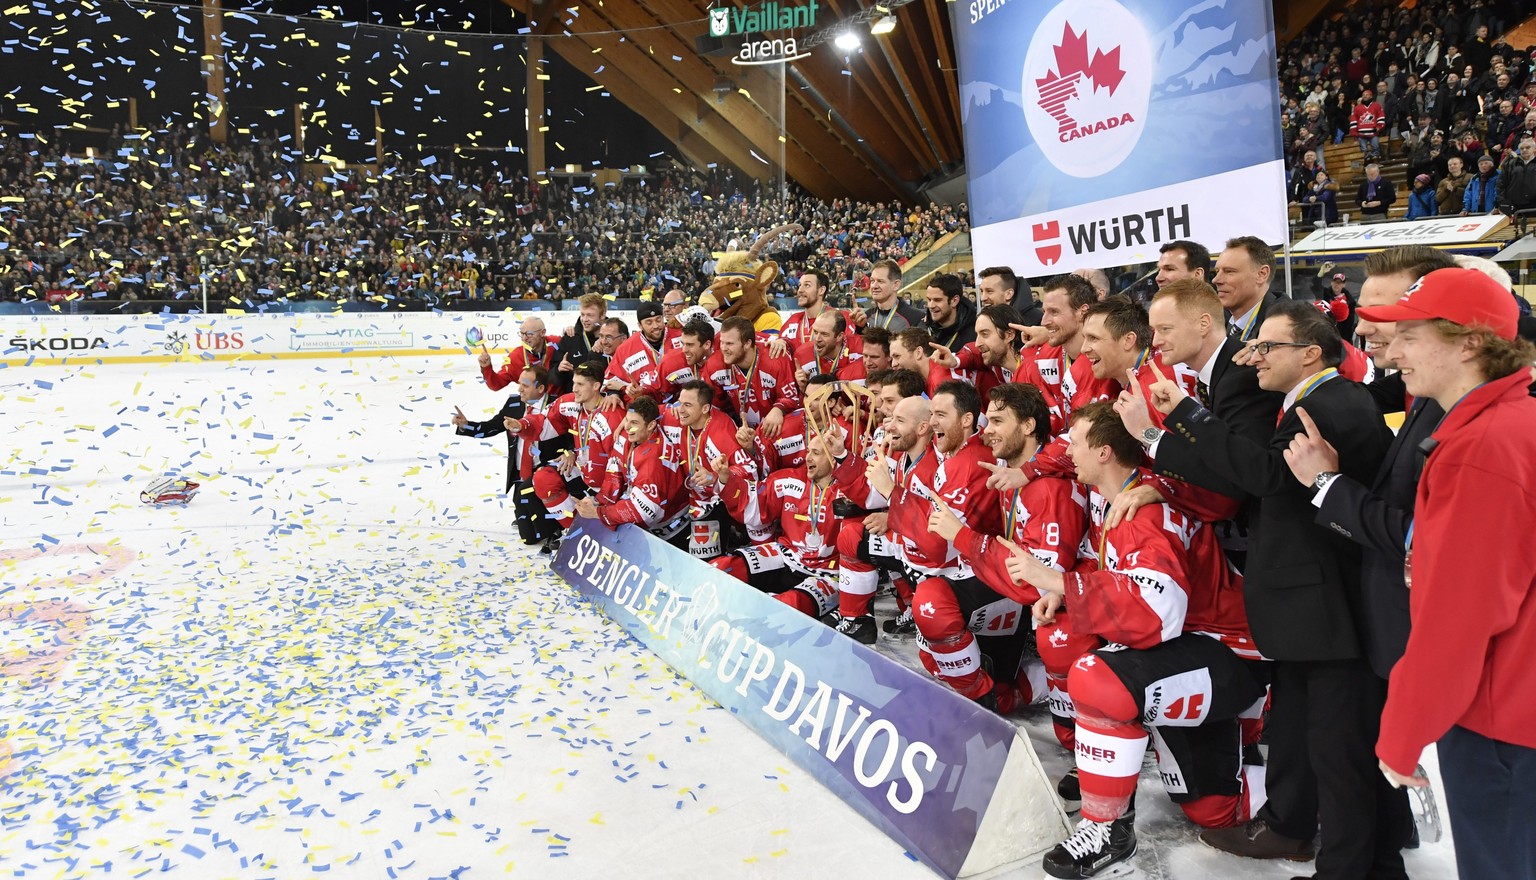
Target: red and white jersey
<point x="592" y="432"/>
<point x="517" y="361"/>
<point x="673" y="340"/>
<point x="789" y="503"/>
<point x="958" y="479"/>
<point x="1053" y="458"/>
<point x="695" y="451"/>
<point x="784" y="451"/>
<point x="974" y="370"/>
<point x="769" y="383"/>
<point x="673" y="371"/>
<point x="1154" y="577"/>
<point x="847" y="364"/>
<point x="1043" y="367"/>
<point x="636" y="361"/>
<point x="1048" y="517"/>
<point x="797" y="328"/>
<point x="1357" y="365"/>
<point x="642" y="486"/>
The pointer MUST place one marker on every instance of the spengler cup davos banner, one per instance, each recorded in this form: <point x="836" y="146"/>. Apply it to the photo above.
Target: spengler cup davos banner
<point x="1096" y="130"/>
<point x="959" y="787"/>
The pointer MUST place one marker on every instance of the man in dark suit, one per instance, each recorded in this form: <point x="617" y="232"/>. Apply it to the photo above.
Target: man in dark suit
<point x="1244" y="271"/>
<point x="1376" y="514"/>
<point x="524" y="456"/>
<point x="1188" y="328"/>
<point x="1301" y="588"/>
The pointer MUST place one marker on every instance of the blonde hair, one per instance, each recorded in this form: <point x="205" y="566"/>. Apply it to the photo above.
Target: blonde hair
<point x="1193" y="297"/>
<point x="1496" y="356"/>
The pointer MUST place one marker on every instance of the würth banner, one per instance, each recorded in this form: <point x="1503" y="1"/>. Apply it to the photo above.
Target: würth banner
<point x="1122" y="126"/>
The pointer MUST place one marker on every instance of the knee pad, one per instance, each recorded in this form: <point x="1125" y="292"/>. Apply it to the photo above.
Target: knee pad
<point x="1100" y="694"/>
<point x="850" y="539"/>
<point x="936" y="611"/>
<point x="548" y="485"/>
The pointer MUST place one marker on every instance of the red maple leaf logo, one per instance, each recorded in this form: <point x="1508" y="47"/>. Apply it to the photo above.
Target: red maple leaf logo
<point x="1072" y="66"/>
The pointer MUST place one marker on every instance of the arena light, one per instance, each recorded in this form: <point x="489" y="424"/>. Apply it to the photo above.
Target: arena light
<point x="883" y="25"/>
<point x="847" y="41"/>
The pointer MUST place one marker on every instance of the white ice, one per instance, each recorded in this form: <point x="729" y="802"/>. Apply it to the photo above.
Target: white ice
<point x="339" y="660"/>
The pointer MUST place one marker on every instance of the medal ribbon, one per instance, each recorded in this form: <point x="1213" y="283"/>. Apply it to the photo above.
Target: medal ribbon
<point x="1130" y="483"/>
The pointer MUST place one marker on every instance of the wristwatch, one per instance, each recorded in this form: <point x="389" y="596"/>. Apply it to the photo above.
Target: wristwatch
<point x="1323" y="478"/>
<point x="1151" y="435"/>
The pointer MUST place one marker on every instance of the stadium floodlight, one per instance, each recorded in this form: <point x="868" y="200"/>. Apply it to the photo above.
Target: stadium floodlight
<point x="847" y="41"/>
<point x="883" y="25"/>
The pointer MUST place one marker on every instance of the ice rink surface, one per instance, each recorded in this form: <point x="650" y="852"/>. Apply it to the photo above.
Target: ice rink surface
<point x="339" y="660"/>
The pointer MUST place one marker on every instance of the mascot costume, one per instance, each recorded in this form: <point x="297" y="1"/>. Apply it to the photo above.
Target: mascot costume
<point x="742" y="279"/>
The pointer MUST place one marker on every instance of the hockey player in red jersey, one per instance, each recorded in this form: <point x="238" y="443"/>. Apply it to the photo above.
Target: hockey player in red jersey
<point x="959" y="618"/>
<point x="579" y="415"/>
<point x="911" y="350"/>
<point x="829" y="351"/>
<point x="761" y="388"/>
<point x="636" y="364"/>
<point x="811" y="296"/>
<point x="993" y="359"/>
<point x="799" y="566"/>
<point x="696" y="434"/>
<point x="696" y="342"/>
<point x="932" y="463"/>
<point x="643" y="484"/>
<point x="1158" y="588"/>
<point x="535" y="349"/>
<point x="1047" y="518"/>
<point x="1051" y="356"/>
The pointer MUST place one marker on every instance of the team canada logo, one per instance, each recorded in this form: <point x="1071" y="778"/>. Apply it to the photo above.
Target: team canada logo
<point x="1087" y="83"/>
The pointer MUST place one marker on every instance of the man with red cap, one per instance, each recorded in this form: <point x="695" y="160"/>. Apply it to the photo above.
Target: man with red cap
<point x="1465" y="679"/>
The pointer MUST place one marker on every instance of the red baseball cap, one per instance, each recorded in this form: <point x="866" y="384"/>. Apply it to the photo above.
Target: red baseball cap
<point x="1461" y="296"/>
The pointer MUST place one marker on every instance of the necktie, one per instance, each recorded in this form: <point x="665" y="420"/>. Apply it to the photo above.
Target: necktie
<point x="1203" y="392"/>
<point x="1234" y="331"/>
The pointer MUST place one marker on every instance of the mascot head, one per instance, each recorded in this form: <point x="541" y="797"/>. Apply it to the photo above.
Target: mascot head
<point x="742" y="279"/>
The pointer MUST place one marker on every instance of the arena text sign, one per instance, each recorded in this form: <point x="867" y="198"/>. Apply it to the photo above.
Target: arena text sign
<point x="954" y="784"/>
<point x="766" y="17"/>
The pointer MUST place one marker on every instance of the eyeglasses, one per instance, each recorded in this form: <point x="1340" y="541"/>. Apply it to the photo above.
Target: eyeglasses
<point x="673" y="305"/>
<point x="1264" y="348"/>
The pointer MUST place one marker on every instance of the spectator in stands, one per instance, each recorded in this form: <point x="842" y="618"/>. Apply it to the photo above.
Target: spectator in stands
<point x="1483" y="189"/>
<point x="1375" y="195"/>
<point x="1501" y="126"/>
<point x="1452" y="189"/>
<point x="1517" y="180"/>
<point x="1421" y="199"/>
<point x="1366" y="123"/>
<point x="1321" y="203"/>
<point x="1304" y="174"/>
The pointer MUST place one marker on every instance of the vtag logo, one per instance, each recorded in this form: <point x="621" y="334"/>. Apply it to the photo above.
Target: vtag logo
<point x="1087" y="82"/>
<point x="719" y="22"/>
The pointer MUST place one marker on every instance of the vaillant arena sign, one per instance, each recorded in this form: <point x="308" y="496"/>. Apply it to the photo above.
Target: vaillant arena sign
<point x="760" y="20"/>
<point x="1123" y="125"/>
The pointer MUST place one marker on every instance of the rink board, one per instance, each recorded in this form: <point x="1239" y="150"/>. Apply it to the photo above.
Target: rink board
<point x="953" y="783"/>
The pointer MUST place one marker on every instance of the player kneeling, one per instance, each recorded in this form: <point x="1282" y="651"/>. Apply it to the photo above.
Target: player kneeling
<point x="1178" y="668"/>
<point x="580" y="471"/>
<point x="643" y="485"/>
<point x="800" y="565"/>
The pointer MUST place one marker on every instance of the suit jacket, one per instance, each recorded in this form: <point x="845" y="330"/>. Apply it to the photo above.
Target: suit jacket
<point x="1238" y="401"/>
<point x="1377" y="518"/>
<point x="1301" y="583"/>
<point x="547" y="451"/>
<point x="1253" y="329"/>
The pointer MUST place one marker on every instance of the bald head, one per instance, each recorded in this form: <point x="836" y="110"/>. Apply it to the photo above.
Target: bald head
<point x="1095" y="277"/>
<point x="908" y="429"/>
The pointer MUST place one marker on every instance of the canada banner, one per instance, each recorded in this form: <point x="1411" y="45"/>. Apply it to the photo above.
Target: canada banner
<point x="954" y="784"/>
<point x="1097" y="130"/>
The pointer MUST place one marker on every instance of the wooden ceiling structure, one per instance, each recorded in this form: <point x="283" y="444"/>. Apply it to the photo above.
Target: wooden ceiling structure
<point x="872" y="125"/>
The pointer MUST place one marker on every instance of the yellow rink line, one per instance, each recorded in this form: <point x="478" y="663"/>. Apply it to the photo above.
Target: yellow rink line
<point x="78" y="360"/>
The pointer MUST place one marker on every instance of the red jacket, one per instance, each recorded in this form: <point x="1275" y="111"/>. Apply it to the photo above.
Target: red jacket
<point x="643" y="486"/>
<point x="518" y="360"/>
<point x="694" y="451"/>
<point x="592" y="432"/>
<point x="673" y="371"/>
<point x="797" y="328"/>
<point x="1047" y="517"/>
<point x="847" y="365"/>
<point x="787" y="503"/>
<point x="1473" y="594"/>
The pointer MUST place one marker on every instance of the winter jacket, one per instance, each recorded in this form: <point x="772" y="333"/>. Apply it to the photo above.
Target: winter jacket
<point x="1482" y="194"/>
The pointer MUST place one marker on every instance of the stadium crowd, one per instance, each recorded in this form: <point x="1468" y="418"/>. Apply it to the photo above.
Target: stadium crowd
<point x="1184" y="529"/>
<point x="1435" y="78"/>
<point x="147" y="217"/>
